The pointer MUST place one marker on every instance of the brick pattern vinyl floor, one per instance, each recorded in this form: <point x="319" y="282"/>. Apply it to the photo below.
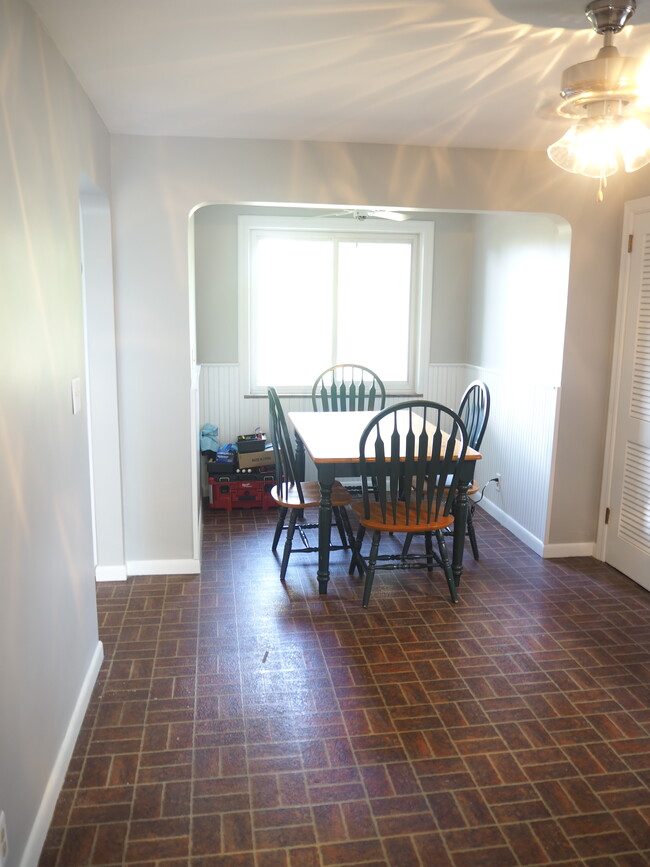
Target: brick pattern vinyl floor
<point x="241" y="722"/>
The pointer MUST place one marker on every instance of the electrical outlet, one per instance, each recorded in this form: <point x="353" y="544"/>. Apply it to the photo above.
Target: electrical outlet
<point x="4" y="843"/>
<point x="497" y="479"/>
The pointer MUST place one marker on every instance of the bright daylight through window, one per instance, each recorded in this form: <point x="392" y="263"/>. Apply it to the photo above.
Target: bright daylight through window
<point x="316" y="296"/>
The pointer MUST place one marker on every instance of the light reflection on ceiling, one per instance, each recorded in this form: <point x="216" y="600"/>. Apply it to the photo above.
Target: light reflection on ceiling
<point x="468" y="73"/>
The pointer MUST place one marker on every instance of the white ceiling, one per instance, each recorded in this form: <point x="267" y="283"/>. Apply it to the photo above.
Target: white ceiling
<point x="459" y="73"/>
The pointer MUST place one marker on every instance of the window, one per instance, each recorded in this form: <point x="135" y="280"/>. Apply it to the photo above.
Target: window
<point x="314" y="293"/>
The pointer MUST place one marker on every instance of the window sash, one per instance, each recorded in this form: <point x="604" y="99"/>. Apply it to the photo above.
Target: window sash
<point x="299" y="341"/>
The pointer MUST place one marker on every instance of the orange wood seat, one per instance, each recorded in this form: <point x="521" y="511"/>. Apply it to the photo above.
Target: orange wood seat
<point x="307" y="494"/>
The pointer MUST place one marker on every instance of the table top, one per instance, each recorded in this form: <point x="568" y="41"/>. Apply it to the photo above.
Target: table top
<point x="333" y="437"/>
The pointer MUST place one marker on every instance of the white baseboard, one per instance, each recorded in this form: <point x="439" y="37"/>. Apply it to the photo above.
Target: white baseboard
<point x="565" y="549"/>
<point x="55" y="782"/>
<point x="163" y="567"/>
<point x="570" y="549"/>
<point x="111" y="573"/>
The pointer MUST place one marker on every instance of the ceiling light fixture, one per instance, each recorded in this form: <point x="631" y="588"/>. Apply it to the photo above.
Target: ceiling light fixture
<point x="603" y="97"/>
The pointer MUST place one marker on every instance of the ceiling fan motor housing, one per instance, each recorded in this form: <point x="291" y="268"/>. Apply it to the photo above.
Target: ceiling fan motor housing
<point x="608" y="77"/>
<point x="609" y="80"/>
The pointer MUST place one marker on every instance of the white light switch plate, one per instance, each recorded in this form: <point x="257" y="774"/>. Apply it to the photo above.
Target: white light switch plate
<point x="76" y="401"/>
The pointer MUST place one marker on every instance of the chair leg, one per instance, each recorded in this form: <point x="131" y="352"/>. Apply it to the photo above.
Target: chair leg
<point x="288" y="543"/>
<point x="471" y="532"/>
<point x="279" y="527"/>
<point x="446" y="565"/>
<point x="339" y="525"/>
<point x="370" y="572"/>
<point x="357" y="559"/>
<point x="407" y="544"/>
<point x="428" y="547"/>
<point x="349" y="534"/>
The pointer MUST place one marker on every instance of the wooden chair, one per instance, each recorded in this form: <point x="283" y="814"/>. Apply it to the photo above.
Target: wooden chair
<point x="474" y="410"/>
<point x="348" y="387"/>
<point x="408" y="441"/>
<point x="293" y="495"/>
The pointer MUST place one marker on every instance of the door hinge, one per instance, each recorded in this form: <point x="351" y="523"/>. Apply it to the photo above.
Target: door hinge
<point x="607" y="515"/>
<point x="630" y="243"/>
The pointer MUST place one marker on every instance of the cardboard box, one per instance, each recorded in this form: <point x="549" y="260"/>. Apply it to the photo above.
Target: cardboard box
<point x="247" y="460"/>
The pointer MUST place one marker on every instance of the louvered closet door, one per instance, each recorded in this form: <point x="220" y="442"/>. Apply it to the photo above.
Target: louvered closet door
<point x="627" y="545"/>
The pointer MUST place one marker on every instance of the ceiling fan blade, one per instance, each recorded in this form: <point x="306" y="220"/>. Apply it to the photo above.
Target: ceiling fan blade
<point x="388" y="215"/>
<point x="348" y="213"/>
<point x="363" y="214"/>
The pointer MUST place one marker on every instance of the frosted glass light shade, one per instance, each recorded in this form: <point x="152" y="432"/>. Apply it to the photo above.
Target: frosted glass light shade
<point x="587" y="148"/>
<point x="594" y="147"/>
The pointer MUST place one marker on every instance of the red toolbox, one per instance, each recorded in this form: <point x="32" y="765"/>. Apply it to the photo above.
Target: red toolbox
<point x="241" y="492"/>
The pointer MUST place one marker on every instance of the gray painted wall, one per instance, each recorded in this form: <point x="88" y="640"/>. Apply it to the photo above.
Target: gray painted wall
<point x="517" y="311"/>
<point x="49" y="135"/>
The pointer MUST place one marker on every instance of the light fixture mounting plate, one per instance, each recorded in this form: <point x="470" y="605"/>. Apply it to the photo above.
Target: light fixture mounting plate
<point x="563" y="14"/>
<point x="609" y="16"/>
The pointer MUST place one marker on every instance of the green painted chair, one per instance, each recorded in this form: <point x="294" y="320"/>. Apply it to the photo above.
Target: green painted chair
<point x="474" y="410"/>
<point x="293" y="495"/>
<point x="423" y="442"/>
<point x="346" y="388"/>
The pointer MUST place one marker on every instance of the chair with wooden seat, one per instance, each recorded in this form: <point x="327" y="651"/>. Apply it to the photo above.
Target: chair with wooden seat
<point x="423" y="442"/>
<point x="293" y="495"/>
<point x="474" y="410"/>
<point x="346" y="388"/>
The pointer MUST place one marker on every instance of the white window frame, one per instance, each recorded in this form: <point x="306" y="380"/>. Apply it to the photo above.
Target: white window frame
<point x="422" y="276"/>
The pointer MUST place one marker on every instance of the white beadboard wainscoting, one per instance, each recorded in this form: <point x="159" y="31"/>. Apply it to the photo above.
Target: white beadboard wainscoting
<point x="518" y="443"/>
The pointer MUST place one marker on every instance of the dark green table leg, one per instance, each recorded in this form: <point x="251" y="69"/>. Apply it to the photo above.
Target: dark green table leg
<point x="300" y="469"/>
<point x="300" y="458"/>
<point x="461" y="505"/>
<point x="326" y="480"/>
